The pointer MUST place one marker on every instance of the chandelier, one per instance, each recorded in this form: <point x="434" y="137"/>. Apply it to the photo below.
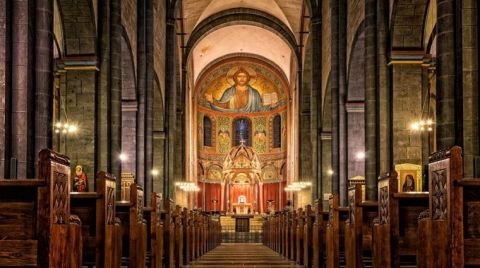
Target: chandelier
<point x="297" y="186"/>
<point x="187" y="186"/>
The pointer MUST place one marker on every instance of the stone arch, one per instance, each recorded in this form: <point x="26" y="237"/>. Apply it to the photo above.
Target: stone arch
<point x="58" y="32"/>
<point x="129" y="106"/>
<point x="241" y="16"/>
<point x="407" y="23"/>
<point x="78" y="18"/>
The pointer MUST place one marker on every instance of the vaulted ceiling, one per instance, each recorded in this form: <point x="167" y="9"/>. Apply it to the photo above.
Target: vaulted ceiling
<point x="242" y="37"/>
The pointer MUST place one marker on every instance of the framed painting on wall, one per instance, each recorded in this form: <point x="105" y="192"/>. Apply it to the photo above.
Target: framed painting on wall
<point x="409" y="177"/>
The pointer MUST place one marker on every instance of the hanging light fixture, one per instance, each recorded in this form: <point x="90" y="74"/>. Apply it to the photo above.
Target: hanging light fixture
<point x="297" y="186"/>
<point x="187" y="186"/>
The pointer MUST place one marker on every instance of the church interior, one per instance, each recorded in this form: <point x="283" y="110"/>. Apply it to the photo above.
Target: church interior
<point x="239" y="133"/>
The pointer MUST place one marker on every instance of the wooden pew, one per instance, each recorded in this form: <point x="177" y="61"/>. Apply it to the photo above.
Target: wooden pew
<point x="299" y="236"/>
<point x="293" y="234"/>
<point x="450" y="228"/>
<point x="96" y="210"/>
<point x="358" y="228"/>
<point x="156" y="231"/>
<point x="318" y="232"/>
<point x="168" y="233"/>
<point x="36" y="228"/>
<point x="307" y="236"/>
<point x="178" y="218"/>
<point x="335" y="231"/>
<point x="395" y="231"/>
<point x="134" y="228"/>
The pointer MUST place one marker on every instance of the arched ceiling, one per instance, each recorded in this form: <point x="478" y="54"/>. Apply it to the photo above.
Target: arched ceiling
<point x="288" y="11"/>
<point x="241" y="39"/>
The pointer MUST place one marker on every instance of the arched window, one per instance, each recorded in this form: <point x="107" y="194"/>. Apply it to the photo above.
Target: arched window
<point x="207" y="131"/>
<point x="242" y="131"/>
<point x="277" y="131"/>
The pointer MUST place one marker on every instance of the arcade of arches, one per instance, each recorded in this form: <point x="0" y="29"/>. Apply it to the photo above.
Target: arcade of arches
<point x="239" y="107"/>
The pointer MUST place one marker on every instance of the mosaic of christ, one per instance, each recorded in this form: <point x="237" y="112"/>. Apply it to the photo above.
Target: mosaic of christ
<point x="245" y="91"/>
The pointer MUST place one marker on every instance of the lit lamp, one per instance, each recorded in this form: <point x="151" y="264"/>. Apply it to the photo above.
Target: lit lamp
<point x="422" y="125"/>
<point x="64" y="130"/>
<point x="123" y="157"/>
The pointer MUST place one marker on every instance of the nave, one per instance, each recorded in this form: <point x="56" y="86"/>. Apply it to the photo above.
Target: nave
<point x="242" y="255"/>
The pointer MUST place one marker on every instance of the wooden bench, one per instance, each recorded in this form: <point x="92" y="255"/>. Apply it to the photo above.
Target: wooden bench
<point x="318" y="232"/>
<point x="335" y="231"/>
<point x="450" y="230"/>
<point x="395" y="231"/>
<point x="358" y="228"/>
<point x="156" y="231"/>
<point x="36" y="227"/>
<point x="134" y="228"/>
<point x="97" y="213"/>
<point x="309" y="219"/>
<point x="299" y="236"/>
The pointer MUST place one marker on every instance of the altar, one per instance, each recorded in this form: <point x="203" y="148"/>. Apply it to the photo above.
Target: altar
<point x="242" y="208"/>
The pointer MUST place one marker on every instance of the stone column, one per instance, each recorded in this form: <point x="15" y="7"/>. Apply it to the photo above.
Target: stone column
<point x="43" y="74"/>
<point x="115" y="127"/>
<point x="149" y="100"/>
<point x="342" y="98"/>
<point x="334" y="87"/>
<point x="470" y="74"/>
<point x="4" y="89"/>
<point x="141" y="89"/>
<point x="338" y="83"/>
<point x="316" y="104"/>
<point x="384" y="146"/>
<point x="22" y="99"/>
<point x="370" y="100"/>
<point x="102" y="101"/>
<point x="446" y="74"/>
<point x="170" y="101"/>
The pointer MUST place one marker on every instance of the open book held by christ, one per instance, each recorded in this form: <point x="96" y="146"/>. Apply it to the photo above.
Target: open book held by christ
<point x="270" y="98"/>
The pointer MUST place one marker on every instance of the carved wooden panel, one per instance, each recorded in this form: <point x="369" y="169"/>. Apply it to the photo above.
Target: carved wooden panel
<point x="439" y="194"/>
<point x="139" y="205"/>
<point x="60" y="206"/>
<point x="110" y="202"/>
<point x="472" y="223"/>
<point x="351" y="206"/>
<point x="158" y="209"/>
<point x="384" y="213"/>
<point x="331" y="215"/>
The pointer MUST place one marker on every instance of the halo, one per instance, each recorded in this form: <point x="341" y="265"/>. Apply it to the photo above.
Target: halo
<point x="233" y="70"/>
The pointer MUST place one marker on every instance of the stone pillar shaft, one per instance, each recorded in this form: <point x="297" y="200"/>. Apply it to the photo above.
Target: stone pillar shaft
<point x="316" y="101"/>
<point x="102" y="99"/>
<point x="43" y="74"/>
<point x="334" y="87"/>
<point x="445" y="74"/>
<point x="384" y="146"/>
<point x="370" y="100"/>
<point x="141" y="90"/>
<point x="22" y="88"/>
<point x="342" y="98"/>
<point x="115" y="128"/>
<point x="149" y="100"/>
<point x="170" y="103"/>
<point x="4" y="89"/>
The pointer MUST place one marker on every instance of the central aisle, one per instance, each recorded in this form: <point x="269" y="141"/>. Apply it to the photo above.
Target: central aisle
<point x="242" y="255"/>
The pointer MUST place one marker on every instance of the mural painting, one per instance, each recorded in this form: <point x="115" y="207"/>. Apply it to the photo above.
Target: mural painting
<point x="241" y="97"/>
